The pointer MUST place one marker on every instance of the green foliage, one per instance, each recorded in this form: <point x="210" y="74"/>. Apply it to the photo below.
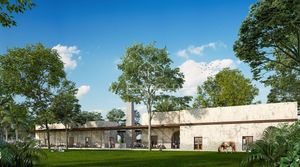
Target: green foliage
<point x="65" y="105"/>
<point x="146" y="71"/>
<point x="277" y="147"/>
<point x="8" y="8"/>
<point x="171" y="103"/>
<point x="20" y="154"/>
<point x="284" y="83"/>
<point x="90" y="116"/>
<point x="33" y="73"/>
<point x="228" y="88"/>
<point x="271" y="26"/>
<point x="116" y="115"/>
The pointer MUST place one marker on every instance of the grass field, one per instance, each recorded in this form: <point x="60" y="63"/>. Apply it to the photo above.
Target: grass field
<point x="76" y="158"/>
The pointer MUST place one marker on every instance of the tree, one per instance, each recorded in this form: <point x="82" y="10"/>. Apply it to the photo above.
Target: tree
<point x="90" y="116"/>
<point x="66" y="108"/>
<point x="171" y="103"/>
<point x="271" y="26"/>
<point x="16" y="115"/>
<point x="146" y="73"/>
<point x="137" y="117"/>
<point x="8" y="8"/>
<point x="228" y="88"/>
<point x="116" y="115"/>
<point x="35" y="73"/>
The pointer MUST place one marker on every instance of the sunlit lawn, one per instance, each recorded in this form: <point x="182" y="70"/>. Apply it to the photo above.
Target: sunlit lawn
<point x="76" y="158"/>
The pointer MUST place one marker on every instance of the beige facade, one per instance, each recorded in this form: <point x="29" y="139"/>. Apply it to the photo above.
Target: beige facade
<point x="203" y="129"/>
<point x="212" y="126"/>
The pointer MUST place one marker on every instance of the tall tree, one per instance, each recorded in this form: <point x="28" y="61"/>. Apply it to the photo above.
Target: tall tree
<point x="9" y="8"/>
<point x="35" y="73"/>
<point x="146" y="73"/>
<point x="228" y="88"/>
<point x="116" y="115"/>
<point x="66" y="108"/>
<point x="271" y="26"/>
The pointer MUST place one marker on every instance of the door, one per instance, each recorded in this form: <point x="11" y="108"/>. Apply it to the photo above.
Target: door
<point x="71" y="141"/>
<point x="198" y="143"/>
<point x="154" y="141"/>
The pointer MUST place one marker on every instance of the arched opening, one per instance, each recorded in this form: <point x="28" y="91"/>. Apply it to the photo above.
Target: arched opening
<point x="175" y="141"/>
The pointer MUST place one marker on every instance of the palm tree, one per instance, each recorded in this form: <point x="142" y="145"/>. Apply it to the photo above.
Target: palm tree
<point x="20" y="154"/>
<point x="16" y="115"/>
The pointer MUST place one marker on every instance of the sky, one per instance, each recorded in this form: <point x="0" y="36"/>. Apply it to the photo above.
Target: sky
<point x="91" y="36"/>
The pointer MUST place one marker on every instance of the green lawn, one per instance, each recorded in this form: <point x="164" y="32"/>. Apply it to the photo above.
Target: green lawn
<point x="76" y="158"/>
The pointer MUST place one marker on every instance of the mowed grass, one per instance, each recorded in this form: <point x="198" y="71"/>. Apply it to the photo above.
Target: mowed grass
<point x="81" y="158"/>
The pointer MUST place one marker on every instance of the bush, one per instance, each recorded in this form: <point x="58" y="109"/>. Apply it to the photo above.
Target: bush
<point x="20" y="154"/>
<point x="279" y="146"/>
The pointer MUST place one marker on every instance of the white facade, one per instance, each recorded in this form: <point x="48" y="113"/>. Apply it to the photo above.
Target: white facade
<point x="203" y="129"/>
<point x="221" y="124"/>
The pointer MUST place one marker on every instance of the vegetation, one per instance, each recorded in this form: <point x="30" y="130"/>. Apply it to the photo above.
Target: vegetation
<point x="228" y="88"/>
<point x="279" y="146"/>
<point x="20" y="154"/>
<point x="90" y="116"/>
<point x="66" y="108"/>
<point x="8" y="8"/>
<point x="142" y="158"/>
<point x="172" y="103"/>
<point x="146" y="74"/>
<point x="272" y="26"/>
<point x="116" y="115"/>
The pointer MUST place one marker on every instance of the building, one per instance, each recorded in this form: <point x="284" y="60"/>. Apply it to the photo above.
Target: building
<point x="203" y="129"/>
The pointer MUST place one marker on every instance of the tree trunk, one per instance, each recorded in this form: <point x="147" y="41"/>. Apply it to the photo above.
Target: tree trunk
<point x="6" y="134"/>
<point x="149" y="131"/>
<point x="48" y="136"/>
<point x="67" y="137"/>
<point x="17" y="134"/>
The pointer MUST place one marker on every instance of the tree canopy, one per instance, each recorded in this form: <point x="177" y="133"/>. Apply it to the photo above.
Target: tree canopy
<point x="9" y="8"/>
<point x="146" y="74"/>
<point x="172" y="103"/>
<point x="116" y="115"/>
<point x="272" y="26"/>
<point x="228" y="88"/>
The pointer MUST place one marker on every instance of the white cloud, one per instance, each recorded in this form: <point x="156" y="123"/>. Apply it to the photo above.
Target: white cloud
<point x="66" y="53"/>
<point x="83" y="90"/>
<point x="199" y="50"/>
<point x="196" y="73"/>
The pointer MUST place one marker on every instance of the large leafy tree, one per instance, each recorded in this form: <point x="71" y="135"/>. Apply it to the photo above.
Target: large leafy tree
<point x="146" y="74"/>
<point x="272" y="26"/>
<point x="66" y="107"/>
<point x="9" y="8"/>
<point x="33" y="73"/>
<point x="116" y="115"/>
<point x="227" y="88"/>
<point x="285" y="85"/>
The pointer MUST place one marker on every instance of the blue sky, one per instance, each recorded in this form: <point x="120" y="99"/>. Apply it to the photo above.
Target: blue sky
<point x="92" y="35"/>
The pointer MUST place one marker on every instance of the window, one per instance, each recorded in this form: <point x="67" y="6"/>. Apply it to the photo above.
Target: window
<point x="198" y="143"/>
<point x="246" y="141"/>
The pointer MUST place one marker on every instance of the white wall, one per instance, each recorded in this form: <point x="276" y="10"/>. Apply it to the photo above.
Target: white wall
<point x="269" y="111"/>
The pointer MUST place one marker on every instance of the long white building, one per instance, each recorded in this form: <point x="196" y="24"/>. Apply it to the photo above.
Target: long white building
<point x="203" y="129"/>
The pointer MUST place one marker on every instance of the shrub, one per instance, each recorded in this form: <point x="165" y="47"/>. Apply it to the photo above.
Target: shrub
<point x="20" y="154"/>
